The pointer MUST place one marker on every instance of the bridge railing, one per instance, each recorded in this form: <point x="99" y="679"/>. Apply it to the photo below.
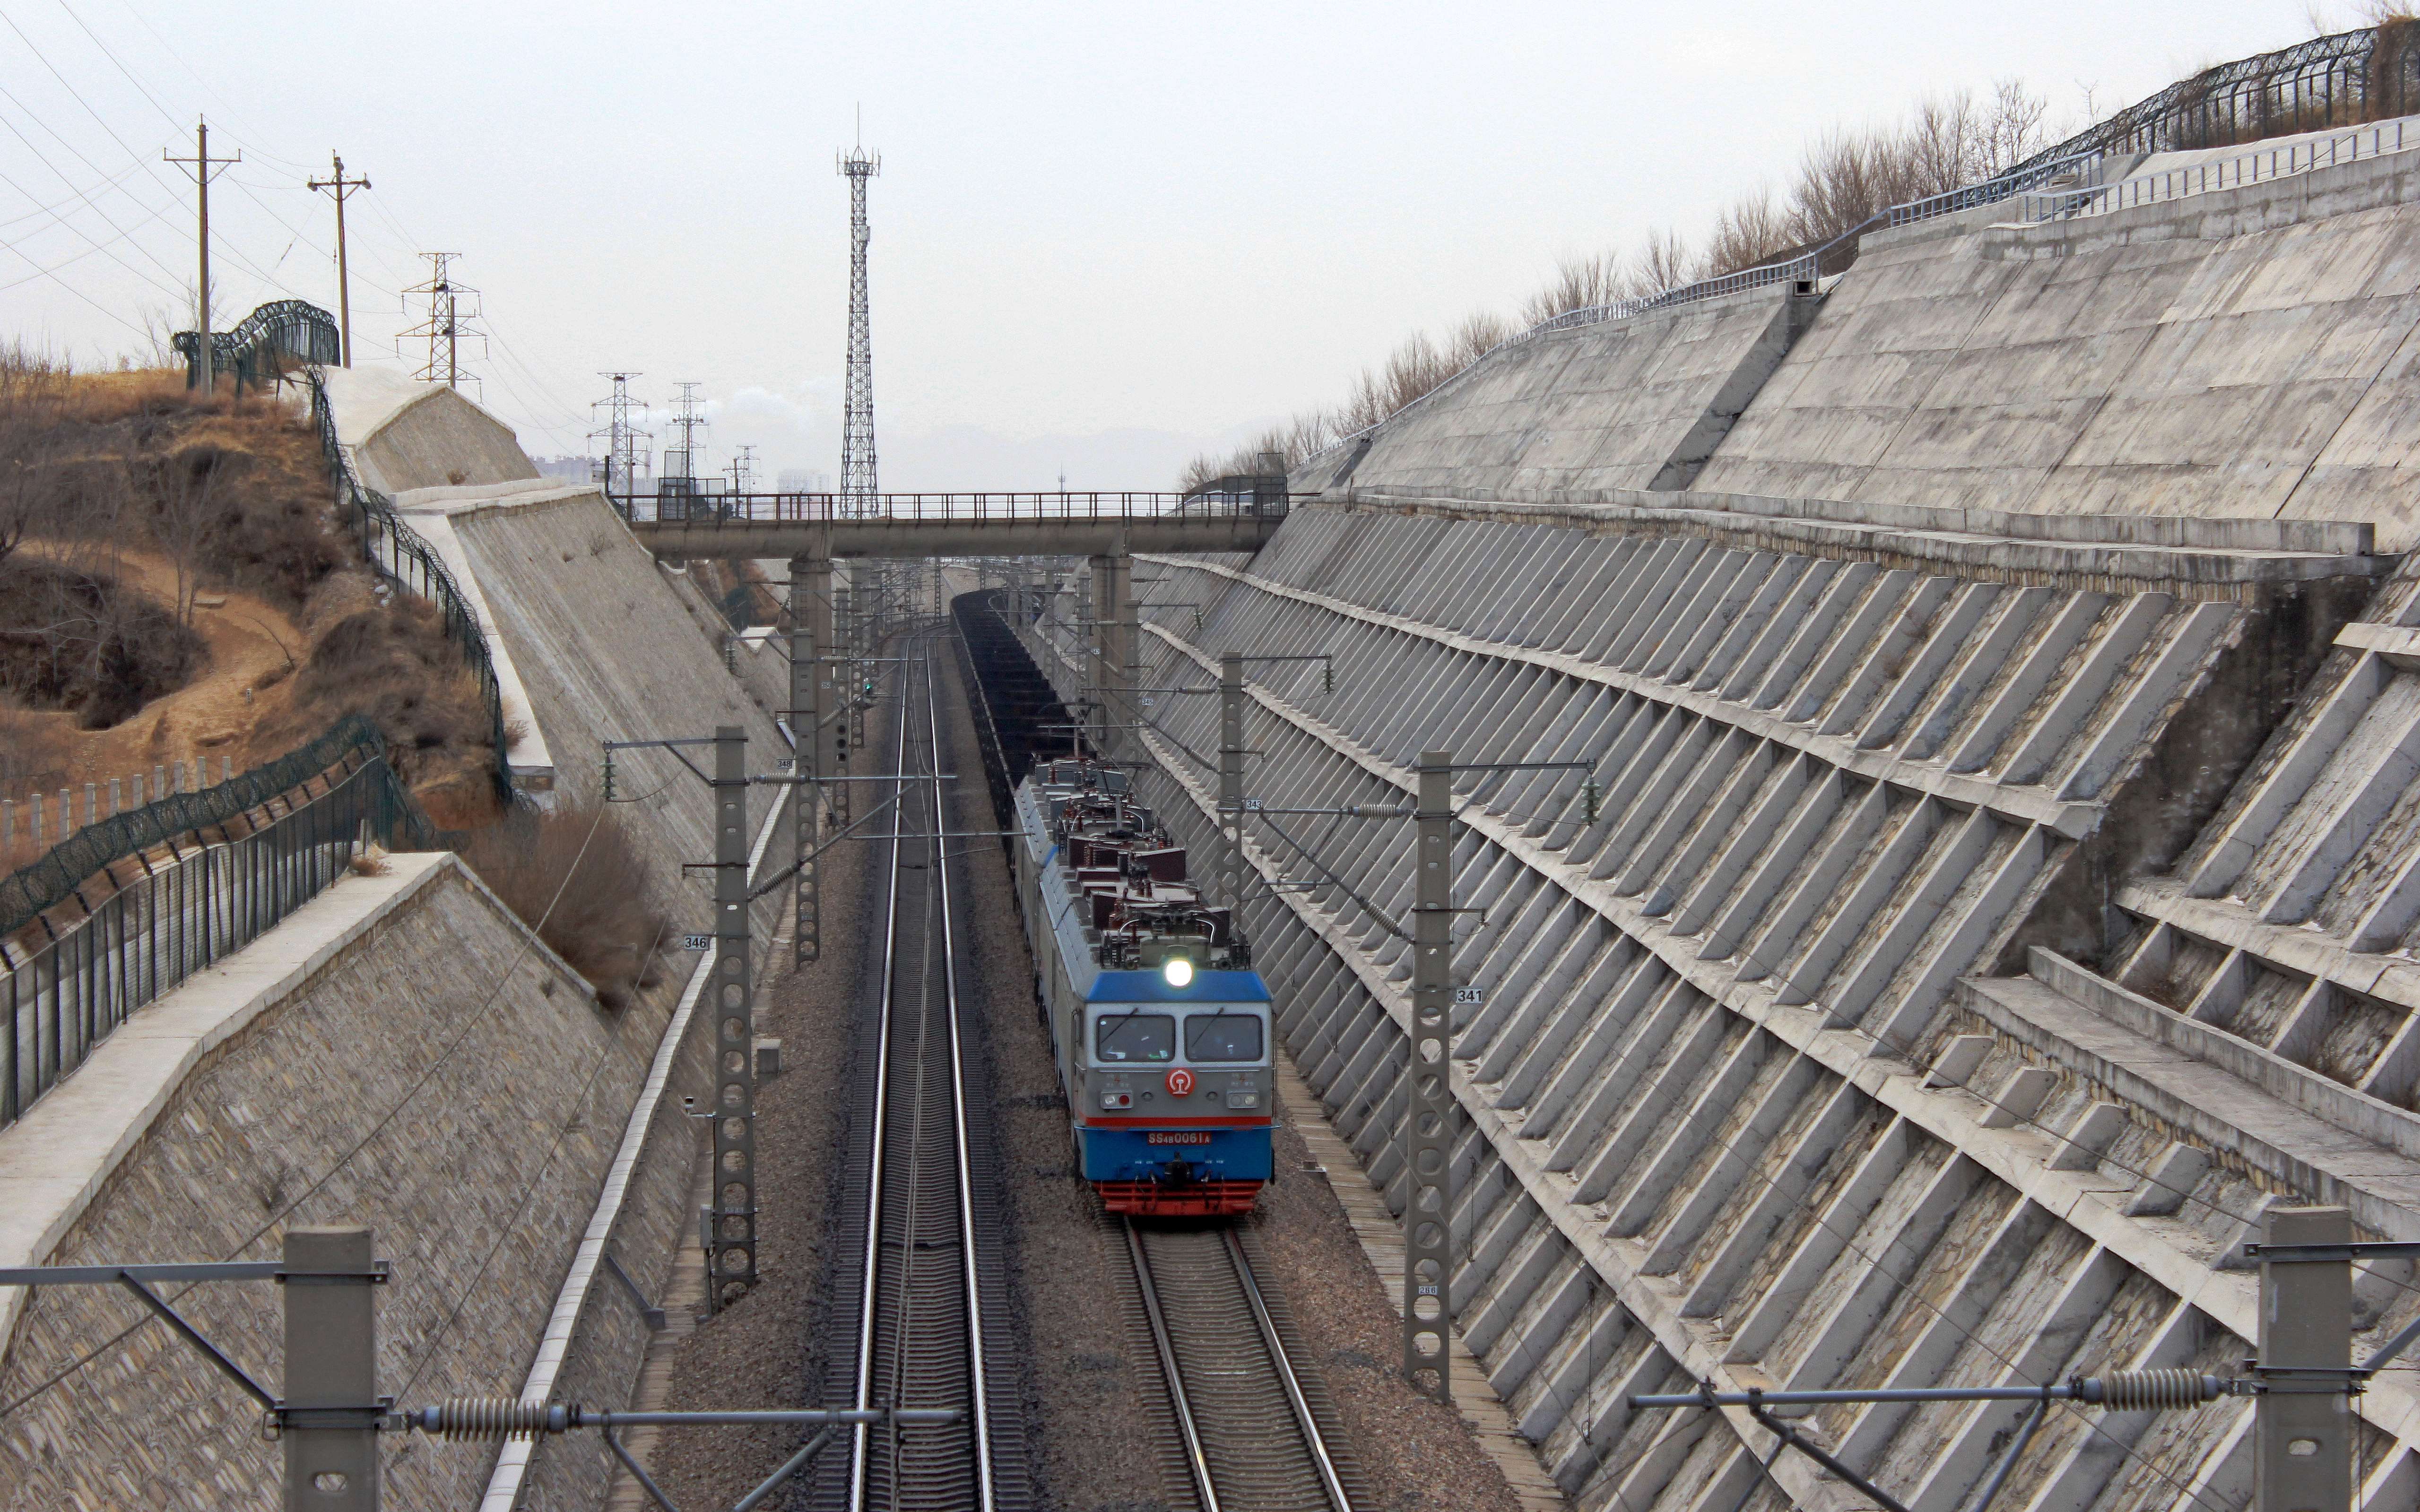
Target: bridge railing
<point x="2252" y="166"/>
<point x="1267" y="502"/>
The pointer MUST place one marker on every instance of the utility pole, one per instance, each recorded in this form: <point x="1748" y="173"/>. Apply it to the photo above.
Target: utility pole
<point x="815" y="667"/>
<point x="1231" y="785"/>
<point x="203" y="166"/>
<point x="331" y="1455"/>
<point x="857" y="472"/>
<point x="1428" y="1121"/>
<point x="688" y="418"/>
<point x="734" y="1249"/>
<point x="743" y="467"/>
<point x="449" y="321"/>
<point x="2301" y="1446"/>
<point x="343" y="188"/>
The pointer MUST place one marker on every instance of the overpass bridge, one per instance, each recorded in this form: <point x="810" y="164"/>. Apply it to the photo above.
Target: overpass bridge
<point x="1232" y="514"/>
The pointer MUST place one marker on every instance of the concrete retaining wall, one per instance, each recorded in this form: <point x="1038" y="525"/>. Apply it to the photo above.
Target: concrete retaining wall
<point x="400" y="1053"/>
<point x="405" y="435"/>
<point x="1629" y="403"/>
<point x="1738" y="1107"/>
<point x="2245" y="353"/>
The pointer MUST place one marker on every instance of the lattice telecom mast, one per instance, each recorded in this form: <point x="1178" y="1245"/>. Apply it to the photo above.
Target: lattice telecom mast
<point x="452" y="305"/>
<point x="857" y="484"/>
<point x="621" y="438"/>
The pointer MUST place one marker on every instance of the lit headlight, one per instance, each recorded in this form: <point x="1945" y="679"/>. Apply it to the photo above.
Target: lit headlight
<point x="1178" y="971"/>
<point x="1117" y="1100"/>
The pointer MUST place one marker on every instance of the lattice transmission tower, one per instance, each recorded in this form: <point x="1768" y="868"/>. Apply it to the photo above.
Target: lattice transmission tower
<point x="453" y="308"/>
<point x="857" y="481"/>
<point x="625" y="450"/>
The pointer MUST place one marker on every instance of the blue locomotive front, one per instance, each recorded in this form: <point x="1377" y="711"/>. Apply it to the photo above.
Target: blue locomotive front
<point x="1160" y="1028"/>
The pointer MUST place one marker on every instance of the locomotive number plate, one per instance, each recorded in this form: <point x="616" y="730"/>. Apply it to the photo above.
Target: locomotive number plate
<point x="1178" y="1137"/>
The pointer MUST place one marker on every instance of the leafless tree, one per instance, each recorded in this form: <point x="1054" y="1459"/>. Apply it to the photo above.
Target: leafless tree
<point x="187" y="518"/>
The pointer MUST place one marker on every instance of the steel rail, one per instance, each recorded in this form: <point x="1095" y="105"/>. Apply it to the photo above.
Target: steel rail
<point x="977" y="1378"/>
<point x="1311" y="1438"/>
<point x="869" y="1284"/>
<point x="1172" y="1373"/>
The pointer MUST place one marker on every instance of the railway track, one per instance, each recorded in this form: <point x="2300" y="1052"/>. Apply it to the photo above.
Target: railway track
<point x="921" y="1284"/>
<point x="1256" y="1434"/>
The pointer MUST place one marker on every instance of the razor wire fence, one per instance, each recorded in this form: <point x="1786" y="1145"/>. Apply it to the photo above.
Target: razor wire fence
<point x="161" y="898"/>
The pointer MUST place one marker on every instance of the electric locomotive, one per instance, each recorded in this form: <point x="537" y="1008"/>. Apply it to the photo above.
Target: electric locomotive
<point x="1159" y="1025"/>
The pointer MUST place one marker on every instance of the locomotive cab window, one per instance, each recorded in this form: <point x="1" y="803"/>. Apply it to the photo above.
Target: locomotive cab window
<point x="1234" y="1035"/>
<point x="1125" y="1038"/>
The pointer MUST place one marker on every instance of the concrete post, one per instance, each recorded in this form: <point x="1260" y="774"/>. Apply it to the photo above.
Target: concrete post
<point x="330" y="1362"/>
<point x="735" y="1099"/>
<point x="849" y="679"/>
<point x="2301" y="1457"/>
<point x="1428" y="1119"/>
<point x="812" y="680"/>
<point x="1107" y="596"/>
<point x="1230" y="784"/>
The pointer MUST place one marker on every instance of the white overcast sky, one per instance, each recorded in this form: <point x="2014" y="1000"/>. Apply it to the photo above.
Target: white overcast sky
<point x="1105" y="236"/>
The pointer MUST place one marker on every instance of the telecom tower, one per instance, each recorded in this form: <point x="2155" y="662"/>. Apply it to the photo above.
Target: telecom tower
<point x="857" y="484"/>
<point x="452" y="307"/>
<point x="625" y="454"/>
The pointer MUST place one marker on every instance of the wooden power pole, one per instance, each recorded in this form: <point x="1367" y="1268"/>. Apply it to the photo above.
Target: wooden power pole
<point x="202" y="165"/>
<point x="342" y="187"/>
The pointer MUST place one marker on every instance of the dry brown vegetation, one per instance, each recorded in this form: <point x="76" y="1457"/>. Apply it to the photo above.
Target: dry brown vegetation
<point x="575" y="875"/>
<point x="174" y="584"/>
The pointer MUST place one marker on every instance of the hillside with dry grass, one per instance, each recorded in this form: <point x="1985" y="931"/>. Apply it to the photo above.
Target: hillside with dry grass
<point x="176" y="586"/>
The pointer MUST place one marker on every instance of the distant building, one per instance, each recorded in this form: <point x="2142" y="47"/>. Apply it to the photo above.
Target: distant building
<point x="569" y="468"/>
<point x="802" y="480"/>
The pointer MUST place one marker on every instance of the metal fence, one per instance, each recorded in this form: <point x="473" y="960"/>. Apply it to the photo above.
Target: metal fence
<point x="178" y="913"/>
<point x="400" y="558"/>
<point x="2348" y="79"/>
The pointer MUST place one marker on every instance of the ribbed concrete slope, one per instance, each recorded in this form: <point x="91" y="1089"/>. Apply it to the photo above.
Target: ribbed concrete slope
<point x="2245" y="353"/>
<point x="1629" y="403"/>
<point x="1740" y="1105"/>
<point x="607" y="652"/>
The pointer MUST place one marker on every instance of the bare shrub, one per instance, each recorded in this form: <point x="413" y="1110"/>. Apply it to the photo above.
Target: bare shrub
<point x="78" y="639"/>
<point x="1580" y="282"/>
<point x="576" y="876"/>
<point x="1751" y="229"/>
<point x="393" y="663"/>
<point x="1663" y="261"/>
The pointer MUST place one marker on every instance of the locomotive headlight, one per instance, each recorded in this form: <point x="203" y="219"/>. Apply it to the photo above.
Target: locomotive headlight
<point x="1243" y="1099"/>
<point x="1178" y="971"/>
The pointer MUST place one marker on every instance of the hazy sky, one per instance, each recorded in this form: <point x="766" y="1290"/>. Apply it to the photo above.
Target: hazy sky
<point x="1105" y="236"/>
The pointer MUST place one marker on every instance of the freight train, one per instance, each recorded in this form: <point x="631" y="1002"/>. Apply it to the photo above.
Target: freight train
<point x="1159" y="1024"/>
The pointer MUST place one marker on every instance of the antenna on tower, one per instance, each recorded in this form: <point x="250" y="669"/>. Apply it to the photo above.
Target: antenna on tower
<point x="625" y="454"/>
<point x="452" y="305"/>
<point x="857" y="472"/>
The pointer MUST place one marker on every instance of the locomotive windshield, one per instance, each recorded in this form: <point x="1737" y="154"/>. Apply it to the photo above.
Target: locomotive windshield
<point x="1222" y="1037"/>
<point x="1135" y="1037"/>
